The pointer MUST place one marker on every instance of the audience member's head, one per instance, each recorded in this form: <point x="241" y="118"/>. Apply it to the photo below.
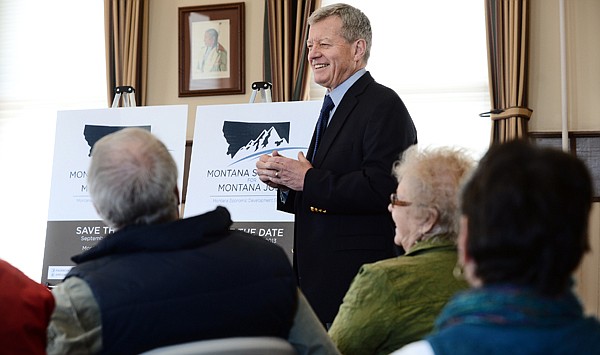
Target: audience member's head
<point x="425" y="204"/>
<point x="526" y="217"/>
<point x="132" y="179"/>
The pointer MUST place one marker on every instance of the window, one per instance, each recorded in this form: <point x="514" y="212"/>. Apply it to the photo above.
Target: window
<point x="51" y="58"/>
<point x="433" y="54"/>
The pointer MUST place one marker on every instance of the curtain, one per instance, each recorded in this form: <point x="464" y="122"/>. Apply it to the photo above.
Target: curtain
<point x="507" y="41"/>
<point x="126" y="28"/>
<point x="286" y="65"/>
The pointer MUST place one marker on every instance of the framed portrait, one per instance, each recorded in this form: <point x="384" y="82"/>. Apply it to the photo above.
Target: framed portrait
<point x="211" y="50"/>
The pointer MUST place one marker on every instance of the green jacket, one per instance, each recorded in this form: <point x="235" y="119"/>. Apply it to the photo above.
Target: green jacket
<point x="395" y="301"/>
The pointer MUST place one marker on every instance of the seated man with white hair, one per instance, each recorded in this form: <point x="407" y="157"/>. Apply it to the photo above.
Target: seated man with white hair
<point x="159" y="280"/>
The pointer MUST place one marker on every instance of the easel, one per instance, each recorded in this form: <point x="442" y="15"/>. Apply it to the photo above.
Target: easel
<point x="128" y="93"/>
<point x="265" y="93"/>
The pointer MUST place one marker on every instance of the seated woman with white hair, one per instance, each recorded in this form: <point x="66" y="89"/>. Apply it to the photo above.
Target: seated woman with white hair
<point x="395" y="301"/>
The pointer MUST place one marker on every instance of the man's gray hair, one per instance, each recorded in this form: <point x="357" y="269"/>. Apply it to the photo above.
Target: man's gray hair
<point x="355" y="24"/>
<point x="132" y="179"/>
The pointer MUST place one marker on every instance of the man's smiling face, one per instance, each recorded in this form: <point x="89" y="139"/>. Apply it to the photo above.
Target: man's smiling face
<point x="332" y="58"/>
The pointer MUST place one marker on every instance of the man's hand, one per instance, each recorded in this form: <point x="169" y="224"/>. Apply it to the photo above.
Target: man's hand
<point x="265" y="172"/>
<point x="282" y="172"/>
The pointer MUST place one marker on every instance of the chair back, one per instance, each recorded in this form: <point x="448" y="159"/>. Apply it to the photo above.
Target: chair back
<point x="229" y="346"/>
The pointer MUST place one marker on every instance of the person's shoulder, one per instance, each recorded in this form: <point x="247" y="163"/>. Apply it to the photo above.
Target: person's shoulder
<point x="18" y="286"/>
<point x="421" y="347"/>
<point x="74" y="289"/>
<point x="383" y="90"/>
<point x="397" y="268"/>
<point x="590" y="325"/>
<point x="409" y="261"/>
<point x="390" y="263"/>
<point x="370" y="87"/>
<point x="369" y="80"/>
<point x="387" y="268"/>
<point x="8" y="273"/>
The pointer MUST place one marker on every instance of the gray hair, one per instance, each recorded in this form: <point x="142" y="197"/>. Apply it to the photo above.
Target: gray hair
<point x="355" y="24"/>
<point x="132" y="179"/>
<point x="435" y="176"/>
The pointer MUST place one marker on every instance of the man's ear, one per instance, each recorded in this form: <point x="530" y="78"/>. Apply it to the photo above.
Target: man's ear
<point x="360" y="48"/>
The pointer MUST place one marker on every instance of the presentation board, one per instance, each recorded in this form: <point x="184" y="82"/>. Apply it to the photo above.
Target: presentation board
<point x="228" y="140"/>
<point x="73" y="224"/>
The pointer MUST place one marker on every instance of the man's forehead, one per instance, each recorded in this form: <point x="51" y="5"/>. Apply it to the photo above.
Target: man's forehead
<point x="328" y="35"/>
<point x="321" y="38"/>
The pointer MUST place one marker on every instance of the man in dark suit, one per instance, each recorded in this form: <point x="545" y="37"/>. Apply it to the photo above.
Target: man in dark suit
<point x="340" y="193"/>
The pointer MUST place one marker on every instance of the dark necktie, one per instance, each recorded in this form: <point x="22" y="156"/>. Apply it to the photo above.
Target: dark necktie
<point x="322" y="122"/>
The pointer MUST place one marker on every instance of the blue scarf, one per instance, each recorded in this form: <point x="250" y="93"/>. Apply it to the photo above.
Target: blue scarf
<point x="507" y="304"/>
<point x="505" y="319"/>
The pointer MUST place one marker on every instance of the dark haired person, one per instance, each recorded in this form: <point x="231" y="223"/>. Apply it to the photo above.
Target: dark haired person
<point x="523" y="233"/>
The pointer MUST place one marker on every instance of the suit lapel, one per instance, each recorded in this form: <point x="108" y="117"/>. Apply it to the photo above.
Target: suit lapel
<point x="349" y="101"/>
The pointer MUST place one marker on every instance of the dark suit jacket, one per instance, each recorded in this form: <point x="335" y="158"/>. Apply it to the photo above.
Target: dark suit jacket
<point x="341" y="217"/>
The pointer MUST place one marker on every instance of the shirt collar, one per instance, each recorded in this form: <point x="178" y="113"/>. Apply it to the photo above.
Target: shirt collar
<point x="338" y="93"/>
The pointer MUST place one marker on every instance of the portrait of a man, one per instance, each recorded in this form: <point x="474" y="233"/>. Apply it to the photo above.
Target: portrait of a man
<point x="213" y="54"/>
<point x="210" y="55"/>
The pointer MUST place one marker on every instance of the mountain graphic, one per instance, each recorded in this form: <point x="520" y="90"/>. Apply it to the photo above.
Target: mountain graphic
<point x="266" y="139"/>
<point x="246" y="138"/>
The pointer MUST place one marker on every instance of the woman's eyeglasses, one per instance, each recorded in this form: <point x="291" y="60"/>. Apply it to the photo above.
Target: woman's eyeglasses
<point x="396" y="202"/>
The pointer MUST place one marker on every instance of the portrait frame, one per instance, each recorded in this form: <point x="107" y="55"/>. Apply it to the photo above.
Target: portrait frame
<point x="212" y="50"/>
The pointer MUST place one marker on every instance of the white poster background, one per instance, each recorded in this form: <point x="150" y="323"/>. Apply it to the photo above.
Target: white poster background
<point x="73" y="225"/>
<point x="221" y="174"/>
<point x="69" y="199"/>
